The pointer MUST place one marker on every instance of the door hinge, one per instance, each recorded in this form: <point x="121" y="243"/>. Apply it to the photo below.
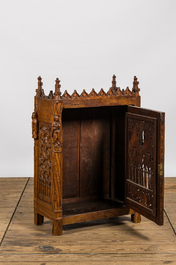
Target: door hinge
<point x="160" y="169"/>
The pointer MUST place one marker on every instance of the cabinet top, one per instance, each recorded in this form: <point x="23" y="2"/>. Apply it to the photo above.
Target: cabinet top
<point x="114" y="96"/>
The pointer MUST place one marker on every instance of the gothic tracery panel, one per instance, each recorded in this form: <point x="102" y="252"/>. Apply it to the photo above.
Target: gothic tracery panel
<point x="44" y="187"/>
<point x="141" y="160"/>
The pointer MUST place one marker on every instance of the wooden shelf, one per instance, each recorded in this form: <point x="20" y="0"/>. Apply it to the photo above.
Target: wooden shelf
<point x="91" y="210"/>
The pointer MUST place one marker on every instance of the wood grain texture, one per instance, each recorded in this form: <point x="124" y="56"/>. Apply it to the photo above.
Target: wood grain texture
<point x="115" y="241"/>
<point x="79" y="154"/>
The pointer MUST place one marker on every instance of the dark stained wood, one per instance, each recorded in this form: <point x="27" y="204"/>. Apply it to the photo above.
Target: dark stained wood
<point x="94" y="152"/>
<point x="79" y="154"/>
<point x="145" y="162"/>
<point x="71" y="139"/>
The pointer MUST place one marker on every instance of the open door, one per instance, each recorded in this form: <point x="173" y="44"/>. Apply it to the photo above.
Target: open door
<point x="144" y="162"/>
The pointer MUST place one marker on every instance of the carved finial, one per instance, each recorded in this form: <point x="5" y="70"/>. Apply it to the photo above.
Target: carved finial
<point x="40" y="82"/>
<point x="135" y="86"/>
<point x="112" y="90"/>
<point x="114" y="81"/>
<point x="40" y="91"/>
<point x="57" y="89"/>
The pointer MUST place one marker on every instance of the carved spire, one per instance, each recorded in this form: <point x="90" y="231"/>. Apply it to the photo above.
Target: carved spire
<point x="57" y="93"/>
<point x="114" y="81"/>
<point x="40" y="84"/>
<point x="135" y="86"/>
<point x="40" y="91"/>
<point x="113" y="88"/>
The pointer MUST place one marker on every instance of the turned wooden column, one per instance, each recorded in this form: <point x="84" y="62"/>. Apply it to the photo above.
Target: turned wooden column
<point x="57" y="162"/>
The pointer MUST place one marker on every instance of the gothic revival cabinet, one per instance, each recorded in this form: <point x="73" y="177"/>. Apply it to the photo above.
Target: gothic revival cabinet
<point x="96" y="155"/>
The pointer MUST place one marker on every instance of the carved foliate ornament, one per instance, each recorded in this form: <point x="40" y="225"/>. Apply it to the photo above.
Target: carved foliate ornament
<point x="56" y="133"/>
<point x="44" y="162"/>
<point x="34" y="125"/>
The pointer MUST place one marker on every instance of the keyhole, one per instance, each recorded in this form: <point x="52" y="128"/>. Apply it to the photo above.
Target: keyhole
<point x="142" y="137"/>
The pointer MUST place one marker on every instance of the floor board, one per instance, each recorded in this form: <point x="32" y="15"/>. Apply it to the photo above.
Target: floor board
<point x="114" y="241"/>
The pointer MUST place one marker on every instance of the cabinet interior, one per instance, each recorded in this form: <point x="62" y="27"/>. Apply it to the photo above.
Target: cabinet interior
<point x="93" y="157"/>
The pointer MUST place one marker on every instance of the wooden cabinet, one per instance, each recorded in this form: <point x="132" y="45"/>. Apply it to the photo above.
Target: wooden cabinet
<point x="96" y="155"/>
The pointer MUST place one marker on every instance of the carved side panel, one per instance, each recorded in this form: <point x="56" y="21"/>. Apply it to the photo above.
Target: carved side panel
<point x="56" y="133"/>
<point x="141" y="161"/>
<point x="57" y="160"/>
<point x="44" y="178"/>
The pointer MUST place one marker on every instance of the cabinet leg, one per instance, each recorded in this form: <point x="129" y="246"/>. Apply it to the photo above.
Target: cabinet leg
<point x="136" y="218"/>
<point x="38" y="219"/>
<point x="57" y="227"/>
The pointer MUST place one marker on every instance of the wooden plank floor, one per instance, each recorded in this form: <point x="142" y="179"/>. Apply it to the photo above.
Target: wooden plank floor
<point x="118" y="241"/>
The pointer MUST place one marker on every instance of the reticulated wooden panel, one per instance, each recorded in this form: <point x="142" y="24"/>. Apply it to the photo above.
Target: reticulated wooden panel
<point x="44" y="170"/>
<point x="71" y="135"/>
<point x="94" y="152"/>
<point x="141" y="161"/>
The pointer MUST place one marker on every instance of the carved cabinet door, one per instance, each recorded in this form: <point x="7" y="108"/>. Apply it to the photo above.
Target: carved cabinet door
<point x="144" y="162"/>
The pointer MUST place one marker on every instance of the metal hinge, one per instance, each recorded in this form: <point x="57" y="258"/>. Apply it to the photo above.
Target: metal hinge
<point x="160" y="169"/>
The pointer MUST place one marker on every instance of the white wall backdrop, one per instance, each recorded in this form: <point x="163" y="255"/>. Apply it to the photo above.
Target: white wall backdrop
<point x="83" y="43"/>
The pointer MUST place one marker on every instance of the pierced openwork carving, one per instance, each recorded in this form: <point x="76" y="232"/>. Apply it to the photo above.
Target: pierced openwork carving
<point x="141" y="152"/>
<point x="141" y="196"/>
<point x="34" y="125"/>
<point x="44" y="161"/>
